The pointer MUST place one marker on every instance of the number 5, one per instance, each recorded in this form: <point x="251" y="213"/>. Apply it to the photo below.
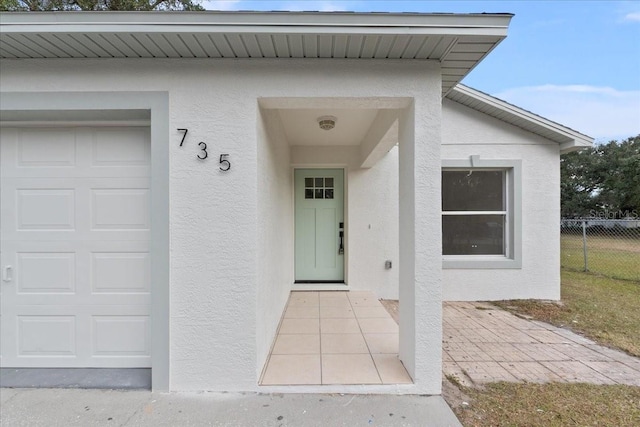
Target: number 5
<point x="224" y="161"/>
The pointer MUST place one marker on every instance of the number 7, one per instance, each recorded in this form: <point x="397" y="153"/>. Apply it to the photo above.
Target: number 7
<point x="184" y="135"/>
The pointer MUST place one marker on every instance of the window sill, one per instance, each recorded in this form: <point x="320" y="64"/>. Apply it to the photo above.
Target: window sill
<point x="480" y="262"/>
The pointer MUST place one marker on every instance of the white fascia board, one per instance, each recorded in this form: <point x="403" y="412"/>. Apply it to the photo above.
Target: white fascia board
<point x="256" y="22"/>
<point x="576" y="140"/>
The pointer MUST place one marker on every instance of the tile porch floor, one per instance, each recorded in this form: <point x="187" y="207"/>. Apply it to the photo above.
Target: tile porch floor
<point x="335" y="338"/>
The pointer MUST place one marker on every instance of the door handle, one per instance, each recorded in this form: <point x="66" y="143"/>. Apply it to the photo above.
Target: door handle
<point x="6" y="273"/>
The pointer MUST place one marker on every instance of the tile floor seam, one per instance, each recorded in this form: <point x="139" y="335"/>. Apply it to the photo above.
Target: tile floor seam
<point x="273" y="344"/>
<point x="365" y="341"/>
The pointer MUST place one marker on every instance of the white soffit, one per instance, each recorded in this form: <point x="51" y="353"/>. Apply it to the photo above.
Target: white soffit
<point x="568" y="138"/>
<point x="458" y="41"/>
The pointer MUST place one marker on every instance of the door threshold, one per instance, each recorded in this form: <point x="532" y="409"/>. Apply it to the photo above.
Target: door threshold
<point x="320" y="287"/>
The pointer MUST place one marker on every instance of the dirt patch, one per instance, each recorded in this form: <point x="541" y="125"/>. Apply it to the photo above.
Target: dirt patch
<point x="392" y="307"/>
<point x="454" y="395"/>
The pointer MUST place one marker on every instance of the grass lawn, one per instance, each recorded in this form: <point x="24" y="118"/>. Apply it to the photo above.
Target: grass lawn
<point x="610" y="256"/>
<point x="512" y="404"/>
<point x="605" y="310"/>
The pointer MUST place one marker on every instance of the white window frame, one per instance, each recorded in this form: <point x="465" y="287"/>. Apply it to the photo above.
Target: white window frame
<point x="513" y="219"/>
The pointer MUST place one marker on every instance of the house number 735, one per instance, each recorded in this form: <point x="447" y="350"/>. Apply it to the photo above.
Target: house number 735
<point x="225" y="164"/>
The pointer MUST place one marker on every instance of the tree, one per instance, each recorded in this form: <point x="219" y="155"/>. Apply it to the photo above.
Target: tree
<point x="621" y="175"/>
<point x="605" y="177"/>
<point x="97" y="5"/>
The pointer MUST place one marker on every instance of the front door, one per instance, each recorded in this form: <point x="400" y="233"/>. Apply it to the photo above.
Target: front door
<point x="319" y="222"/>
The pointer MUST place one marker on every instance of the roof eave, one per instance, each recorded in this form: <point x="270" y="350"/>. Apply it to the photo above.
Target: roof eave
<point x="569" y="139"/>
<point x="466" y="23"/>
<point x="446" y="38"/>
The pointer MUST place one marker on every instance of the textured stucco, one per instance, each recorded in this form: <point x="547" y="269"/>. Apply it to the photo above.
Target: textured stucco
<point x="373" y="227"/>
<point x="275" y="216"/>
<point x="466" y="132"/>
<point x="222" y="226"/>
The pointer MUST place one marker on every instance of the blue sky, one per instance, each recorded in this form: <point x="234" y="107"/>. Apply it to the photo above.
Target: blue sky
<point x="575" y="62"/>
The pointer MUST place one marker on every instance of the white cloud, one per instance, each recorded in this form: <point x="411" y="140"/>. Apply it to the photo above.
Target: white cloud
<point x="601" y="112"/>
<point x="633" y="16"/>
<point x="221" y="4"/>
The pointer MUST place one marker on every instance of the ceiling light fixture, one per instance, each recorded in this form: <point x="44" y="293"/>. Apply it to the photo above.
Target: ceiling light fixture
<point x="327" y="122"/>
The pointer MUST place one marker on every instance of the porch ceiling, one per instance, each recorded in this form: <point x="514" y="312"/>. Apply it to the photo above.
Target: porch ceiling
<point x="458" y="41"/>
<point x="302" y="128"/>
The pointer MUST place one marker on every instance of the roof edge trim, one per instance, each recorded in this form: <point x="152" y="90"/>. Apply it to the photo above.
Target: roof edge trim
<point x="569" y="139"/>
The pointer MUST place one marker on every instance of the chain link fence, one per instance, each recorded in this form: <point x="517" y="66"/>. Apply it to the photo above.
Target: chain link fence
<point x="610" y="247"/>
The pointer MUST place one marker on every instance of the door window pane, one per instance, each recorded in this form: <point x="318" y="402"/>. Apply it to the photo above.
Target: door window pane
<point x="308" y="193"/>
<point x="328" y="194"/>
<point x="319" y="182"/>
<point x="473" y="234"/>
<point x="473" y="191"/>
<point x="319" y="193"/>
<point x="308" y="182"/>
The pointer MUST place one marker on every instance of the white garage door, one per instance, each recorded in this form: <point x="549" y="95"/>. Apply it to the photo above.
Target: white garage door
<point x="75" y="226"/>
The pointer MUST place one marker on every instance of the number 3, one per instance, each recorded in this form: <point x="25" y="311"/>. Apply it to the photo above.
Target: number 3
<point x="204" y="150"/>
<point x="224" y="161"/>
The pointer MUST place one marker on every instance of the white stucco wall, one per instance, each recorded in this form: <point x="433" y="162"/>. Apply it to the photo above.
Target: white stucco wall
<point x="373" y="227"/>
<point x="219" y="287"/>
<point x="466" y="132"/>
<point x="275" y="231"/>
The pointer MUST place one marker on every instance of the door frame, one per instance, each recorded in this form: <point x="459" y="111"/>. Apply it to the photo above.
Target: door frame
<point x="19" y="107"/>
<point x="345" y="198"/>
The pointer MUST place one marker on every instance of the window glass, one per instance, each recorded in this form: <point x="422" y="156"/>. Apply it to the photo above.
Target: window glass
<point x="473" y="235"/>
<point x="473" y="190"/>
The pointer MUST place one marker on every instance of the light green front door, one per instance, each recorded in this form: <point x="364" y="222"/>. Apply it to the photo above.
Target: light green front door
<point x="319" y="224"/>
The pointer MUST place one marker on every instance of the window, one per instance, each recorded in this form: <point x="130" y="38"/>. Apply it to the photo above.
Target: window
<point x="481" y="214"/>
<point x="318" y="188"/>
<point x="473" y="212"/>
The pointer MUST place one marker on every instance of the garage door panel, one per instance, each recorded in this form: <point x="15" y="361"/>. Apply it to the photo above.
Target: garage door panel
<point x="41" y="335"/>
<point x="93" y="301"/>
<point x="75" y="227"/>
<point x="79" y="152"/>
<point x="120" y="272"/>
<point x="38" y="149"/>
<point x="120" y="209"/>
<point x="45" y="209"/>
<point x="116" y="147"/>
<point x="42" y="148"/>
<point x="74" y="208"/>
<point x="68" y="336"/>
<point x="46" y="273"/>
<point x="121" y="336"/>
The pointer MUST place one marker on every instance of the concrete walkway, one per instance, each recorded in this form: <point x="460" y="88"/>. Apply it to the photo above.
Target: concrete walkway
<point x="483" y="344"/>
<point x="73" y="407"/>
